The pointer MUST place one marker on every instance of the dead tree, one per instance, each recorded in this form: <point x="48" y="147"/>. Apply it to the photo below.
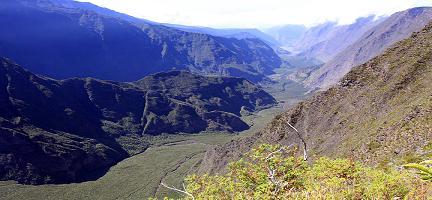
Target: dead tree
<point x="179" y="190"/>
<point x="305" y="155"/>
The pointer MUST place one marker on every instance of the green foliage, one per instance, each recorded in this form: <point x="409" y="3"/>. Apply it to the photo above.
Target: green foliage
<point x="428" y="147"/>
<point x="345" y="179"/>
<point x="264" y="171"/>
<point x="273" y="172"/>
<point x="424" y="169"/>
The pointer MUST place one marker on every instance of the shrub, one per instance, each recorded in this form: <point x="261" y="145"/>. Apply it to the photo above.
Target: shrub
<point x="273" y="172"/>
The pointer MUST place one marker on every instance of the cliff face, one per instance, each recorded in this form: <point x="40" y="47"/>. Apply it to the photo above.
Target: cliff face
<point x="380" y="112"/>
<point x="56" y="131"/>
<point x="64" y="39"/>
<point x="372" y="43"/>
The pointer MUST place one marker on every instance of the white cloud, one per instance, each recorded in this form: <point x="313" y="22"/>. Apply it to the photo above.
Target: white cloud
<point x="256" y="13"/>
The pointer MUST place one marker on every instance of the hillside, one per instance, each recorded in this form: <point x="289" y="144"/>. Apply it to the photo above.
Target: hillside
<point x="328" y="42"/>
<point x="56" y="131"/>
<point x="373" y="42"/>
<point x="380" y="113"/>
<point x="169" y="159"/>
<point x="50" y="36"/>
<point x="315" y="35"/>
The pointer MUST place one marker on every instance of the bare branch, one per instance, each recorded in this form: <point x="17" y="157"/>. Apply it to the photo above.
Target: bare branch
<point x="292" y="127"/>
<point x="178" y="190"/>
<point x="272" y="153"/>
<point x="272" y="178"/>
<point x="305" y="156"/>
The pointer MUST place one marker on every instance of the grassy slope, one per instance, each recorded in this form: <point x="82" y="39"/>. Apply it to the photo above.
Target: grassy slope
<point x="381" y="113"/>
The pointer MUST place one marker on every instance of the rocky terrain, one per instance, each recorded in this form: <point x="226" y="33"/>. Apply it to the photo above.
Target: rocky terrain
<point x="379" y="113"/>
<point x="64" y="39"/>
<point x="373" y="42"/>
<point x="57" y="131"/>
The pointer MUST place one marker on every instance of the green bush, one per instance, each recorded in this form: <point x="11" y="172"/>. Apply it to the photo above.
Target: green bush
<point x="273" y="172"/>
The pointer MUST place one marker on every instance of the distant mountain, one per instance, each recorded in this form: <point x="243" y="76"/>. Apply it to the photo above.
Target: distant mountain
<point x="379" y="113"/>
<point x="322" y="41"/>
<point x="57" y="131"/>
<point x="222" y="32"/>
<point x="286" y="35"/>
<point x="72" y="4"/>
<point x="63" y="39"/>
<point x="315" y="35"/>
<point x="373" y="42"/>
<point x="334" y="38"/>
<point x="228" y="32"/>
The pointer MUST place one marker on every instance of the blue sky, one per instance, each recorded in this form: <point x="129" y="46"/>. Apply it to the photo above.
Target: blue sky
<point x="256" y="13"/>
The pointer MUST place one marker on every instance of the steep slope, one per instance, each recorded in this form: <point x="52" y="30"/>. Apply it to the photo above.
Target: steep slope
<point x="339" y="37"/>
<point x="395" y="28"/>
<point x="315" y="35"/>
<point x="63" y="39"/>
<point x="57" y="131"/>
<point x="380" y="113"/>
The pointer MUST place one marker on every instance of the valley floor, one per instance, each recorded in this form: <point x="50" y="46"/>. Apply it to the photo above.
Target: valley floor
<point x="138" y="177"/>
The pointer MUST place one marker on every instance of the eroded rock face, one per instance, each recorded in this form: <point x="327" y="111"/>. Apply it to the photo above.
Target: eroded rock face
<point x="55" y="131"/>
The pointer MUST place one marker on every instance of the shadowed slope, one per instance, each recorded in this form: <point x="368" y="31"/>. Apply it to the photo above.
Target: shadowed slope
<point x="64" y="39"/>
<point x="58" y="131"/>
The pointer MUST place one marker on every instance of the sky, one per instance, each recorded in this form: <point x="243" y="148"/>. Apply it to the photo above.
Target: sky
<point x="256" y="13"/>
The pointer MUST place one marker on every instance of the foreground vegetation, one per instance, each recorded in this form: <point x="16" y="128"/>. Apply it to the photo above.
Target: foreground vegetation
<point x="274" y="172"/>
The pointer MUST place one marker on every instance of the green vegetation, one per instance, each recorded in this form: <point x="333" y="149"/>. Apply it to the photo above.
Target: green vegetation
<point x="169" y="159"/>
<point x="105" y="120"/>
<point x="274" y="172"/>
<point x="379" y="114"/>
<point x="423" y="170"/>
<point x="284" y="89"/>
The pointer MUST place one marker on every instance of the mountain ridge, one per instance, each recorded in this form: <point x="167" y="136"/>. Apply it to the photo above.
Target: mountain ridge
<point x="373" y="42"/>
<point x="338" y="37"/>
<point x="48" y="36"/>
<point x="57" y="131"/>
